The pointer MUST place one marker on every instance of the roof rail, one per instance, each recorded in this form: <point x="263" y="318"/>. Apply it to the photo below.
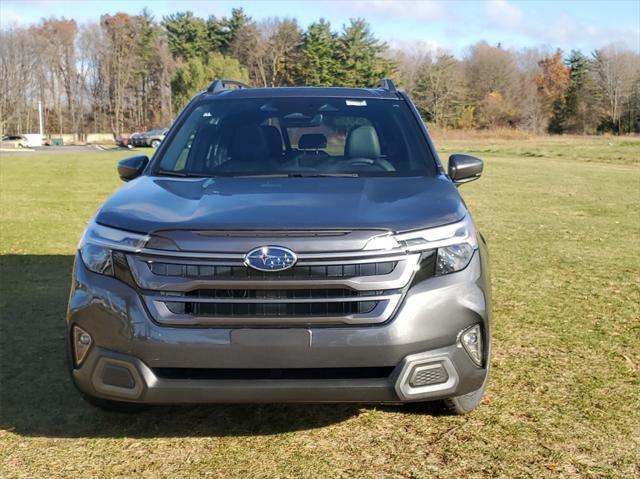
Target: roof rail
<point x="220" y="85"/>
<point x="388" y="85"/>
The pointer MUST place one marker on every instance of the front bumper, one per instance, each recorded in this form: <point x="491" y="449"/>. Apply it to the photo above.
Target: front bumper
<point x="129" y="349"/>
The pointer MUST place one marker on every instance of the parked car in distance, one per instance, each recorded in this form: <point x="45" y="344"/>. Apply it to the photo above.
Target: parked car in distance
<point x="14" y="141"/>
<point x="123" y="141"/>
<point x="285" y="245"/>
<point x="135" y="139"/>
<point x="153" y="137"/>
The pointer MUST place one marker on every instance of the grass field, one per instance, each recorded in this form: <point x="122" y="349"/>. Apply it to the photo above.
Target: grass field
<point x="562" y="217"/>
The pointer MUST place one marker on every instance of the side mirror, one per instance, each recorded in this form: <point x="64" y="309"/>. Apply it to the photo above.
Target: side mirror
<point x="464" y="168"/>
<point x="132" y="167"/>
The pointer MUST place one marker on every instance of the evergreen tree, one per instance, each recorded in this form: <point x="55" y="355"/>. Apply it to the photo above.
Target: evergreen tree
<point x="359" y="56"/>
<point x="187" y="35"/>
<point x="318" y="65"/>
<point x="216" y="32"/>
<point x="577" y="98"/>
<point x="232" y="26"/>
<point x="557" y="123"/>
<point x="221" y="32"/>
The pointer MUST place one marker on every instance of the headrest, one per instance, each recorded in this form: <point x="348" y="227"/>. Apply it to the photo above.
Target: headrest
<point x="312" y="141"/>
<point x="274" y="139"/>
<point x="249" y="144"/>
<point x="363" y="142"/>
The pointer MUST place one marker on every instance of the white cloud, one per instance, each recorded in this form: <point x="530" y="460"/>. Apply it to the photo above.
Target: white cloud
<point x="405" y="9"/>
<point x="9" y="18"/>
<point x="504" y="14"/>
<point x="564" y="30"/>
<point x="417" y="47"/>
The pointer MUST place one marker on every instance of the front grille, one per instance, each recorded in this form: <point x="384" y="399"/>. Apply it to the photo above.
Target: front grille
<point x="341" y="308"/>
<point x="325" y="293"/>
<point x="214" y="272"/>
<point x="364" y="288"/>
<point x="290" y="373"/>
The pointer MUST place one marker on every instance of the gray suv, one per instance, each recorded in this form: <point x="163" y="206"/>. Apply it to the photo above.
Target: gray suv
<point x="153" y="138"/>
<point x="285" y="245"/>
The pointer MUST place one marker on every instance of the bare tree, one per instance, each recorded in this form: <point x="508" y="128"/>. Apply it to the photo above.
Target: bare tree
<point x="119" y="64"/>
<point x="528" y="102"/>
<point x="490" y="69"/>
<point x="269" y="50"/>
<point x="615" y="71"/>
<point x="440" y="90"/>
<point x="409" y="63"/>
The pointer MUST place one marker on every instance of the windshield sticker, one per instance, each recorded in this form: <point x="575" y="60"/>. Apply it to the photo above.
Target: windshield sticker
<point x="356" y="103"/>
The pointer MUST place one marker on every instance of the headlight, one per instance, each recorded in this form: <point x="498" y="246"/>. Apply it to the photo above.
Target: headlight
<point x="100" y="244"/>
<point x="97" y="258"/>
<point x="455" y="243"/>
<point x="453" y="258"/>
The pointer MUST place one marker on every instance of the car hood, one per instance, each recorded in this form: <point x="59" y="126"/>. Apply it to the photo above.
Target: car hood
<point x="149" y="204"/>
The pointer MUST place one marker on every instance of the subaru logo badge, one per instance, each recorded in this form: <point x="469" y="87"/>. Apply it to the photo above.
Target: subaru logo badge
<point x="270" y="258"/>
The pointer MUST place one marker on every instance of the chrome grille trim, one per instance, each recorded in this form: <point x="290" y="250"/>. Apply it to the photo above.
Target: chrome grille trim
<point x="380" y="313"/>
<point x="397" y="279"/>
<point x="195" y="299"/>
<point x="339" y="256"/>
<point x="161" y="292"/>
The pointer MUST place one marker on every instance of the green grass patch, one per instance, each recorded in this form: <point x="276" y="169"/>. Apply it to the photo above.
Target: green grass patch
<point x="562" y="217"/>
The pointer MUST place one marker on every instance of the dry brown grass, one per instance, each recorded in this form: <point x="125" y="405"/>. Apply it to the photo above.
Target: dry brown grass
<point x="443" y="134"/>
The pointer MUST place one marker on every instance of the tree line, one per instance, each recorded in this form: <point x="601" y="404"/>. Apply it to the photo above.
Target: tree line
<point x="132" y="72"/>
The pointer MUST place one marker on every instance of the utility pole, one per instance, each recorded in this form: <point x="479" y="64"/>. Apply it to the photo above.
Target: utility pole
<point x="40" y="120"/>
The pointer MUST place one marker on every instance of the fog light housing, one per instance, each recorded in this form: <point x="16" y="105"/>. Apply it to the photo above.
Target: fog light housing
<point x="428" y="374"/>
<point x="82" y="342"/>
<point x="471" y="340"/>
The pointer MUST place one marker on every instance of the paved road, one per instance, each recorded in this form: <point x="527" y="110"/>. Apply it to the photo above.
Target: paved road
<point x="69" y="149"/>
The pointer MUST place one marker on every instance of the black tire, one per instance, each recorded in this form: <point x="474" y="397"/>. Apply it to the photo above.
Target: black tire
<point x="115" y="406"/>
<point x="464" y="404"/>
<point x="155" y="143"/>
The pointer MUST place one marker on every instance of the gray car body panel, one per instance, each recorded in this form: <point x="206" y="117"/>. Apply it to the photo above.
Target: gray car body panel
<point x="149" y="204"/>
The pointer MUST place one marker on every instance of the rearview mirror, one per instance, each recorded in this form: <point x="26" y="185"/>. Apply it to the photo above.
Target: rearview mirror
<point x="464" y="168"/>
<point x="132" y="167"/>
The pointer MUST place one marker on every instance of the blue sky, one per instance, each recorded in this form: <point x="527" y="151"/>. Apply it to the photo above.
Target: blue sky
<point x="450" y="25"/>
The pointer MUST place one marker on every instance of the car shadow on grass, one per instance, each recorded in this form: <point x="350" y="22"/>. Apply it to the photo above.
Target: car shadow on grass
<point x="37" y="397"/>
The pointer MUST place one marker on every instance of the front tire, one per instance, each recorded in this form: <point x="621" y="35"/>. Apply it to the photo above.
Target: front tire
<point x="155" y="144"/>
<point x="464" y="404"/>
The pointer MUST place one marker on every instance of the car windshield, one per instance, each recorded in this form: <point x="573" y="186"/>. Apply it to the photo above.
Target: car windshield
<point x="297" y="137"/>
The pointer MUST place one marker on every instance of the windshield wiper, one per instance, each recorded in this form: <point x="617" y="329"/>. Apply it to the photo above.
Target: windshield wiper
<point x="309" y="174"/>
<point x="315" y="174"/>
<point x="177" y="173"/>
